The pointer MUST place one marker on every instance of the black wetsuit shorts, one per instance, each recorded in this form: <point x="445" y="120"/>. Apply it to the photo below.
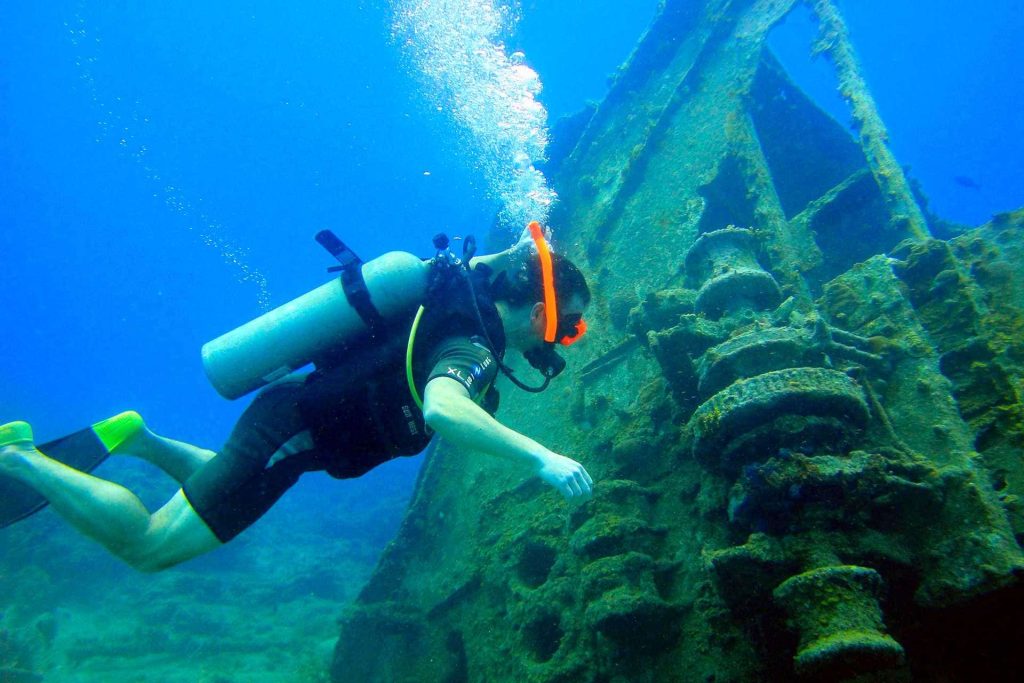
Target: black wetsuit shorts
<point x="275" y="441"/>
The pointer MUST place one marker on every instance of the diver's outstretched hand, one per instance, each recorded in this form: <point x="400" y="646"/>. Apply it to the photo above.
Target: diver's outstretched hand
<point x="569" y="477"/>
<point x="515" y="257"/>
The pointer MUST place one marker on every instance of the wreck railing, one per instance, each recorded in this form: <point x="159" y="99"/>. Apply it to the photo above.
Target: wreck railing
<point x="834" y="42"/>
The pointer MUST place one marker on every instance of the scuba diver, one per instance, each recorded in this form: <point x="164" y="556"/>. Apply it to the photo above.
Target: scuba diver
<point x="379" y="393"/>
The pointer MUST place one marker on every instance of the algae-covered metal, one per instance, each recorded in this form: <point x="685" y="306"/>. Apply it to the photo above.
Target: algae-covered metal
<point x="802" y="411"/>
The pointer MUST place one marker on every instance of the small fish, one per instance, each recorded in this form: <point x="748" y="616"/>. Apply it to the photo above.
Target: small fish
<point x="964" y="181"/>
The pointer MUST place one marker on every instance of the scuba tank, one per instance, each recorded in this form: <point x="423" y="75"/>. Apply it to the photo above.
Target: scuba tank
<point x="293" y="334"/>
<point x="391" y="286"/>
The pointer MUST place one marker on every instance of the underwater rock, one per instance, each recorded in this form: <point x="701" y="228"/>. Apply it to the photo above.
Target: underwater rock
<point x="608" y="534"/>
<point x="975" y="553"/>
<point x="47" y="627"/>
<point x="755" y="353"/>
<point x="16" y="658"/>
<point x="810" y="408"/>
<point x="792" y="492"/>
<point x="641" y="623"/>
<point x="835" y="611"/>
<point x="535" y="563"/>
<point x="380" y="628"/>
<point x="746" y="574"/>
<point x="631" y="569"/>
<point x="725" y="262"/>
<point x="661" y="309"/>
<point x="975" y="314"/>
<point x="674" y="349"/>
<point x="11" y="675"/>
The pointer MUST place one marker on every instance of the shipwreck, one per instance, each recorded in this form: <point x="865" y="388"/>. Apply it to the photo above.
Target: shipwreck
<point x="800" y="399"/>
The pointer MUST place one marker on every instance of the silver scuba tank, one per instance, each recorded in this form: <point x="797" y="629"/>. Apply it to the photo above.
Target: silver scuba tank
<point x="293" y="334"/>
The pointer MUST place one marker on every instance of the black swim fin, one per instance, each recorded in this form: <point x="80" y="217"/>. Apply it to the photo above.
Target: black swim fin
<point x="84" y="450"/>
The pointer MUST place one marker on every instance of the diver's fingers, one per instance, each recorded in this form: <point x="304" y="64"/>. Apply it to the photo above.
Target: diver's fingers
<point x="525" y="244"/>
<point x="586" y="476"/>
<point x="574" y="488"/>
<point x="588" y="490"/>
<point x="583" y="483"/>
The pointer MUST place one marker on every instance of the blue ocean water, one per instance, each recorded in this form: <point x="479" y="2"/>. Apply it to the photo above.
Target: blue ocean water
<point x="944" y="75"/>
<point x="163" y="169"/>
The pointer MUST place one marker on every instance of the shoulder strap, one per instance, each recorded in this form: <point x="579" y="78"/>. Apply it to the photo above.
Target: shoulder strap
<point x="358" y="296"/>
<point x="352" y="281"/>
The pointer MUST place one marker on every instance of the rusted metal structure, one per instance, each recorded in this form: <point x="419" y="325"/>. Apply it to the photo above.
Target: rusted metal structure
<point x="803" y="411"/>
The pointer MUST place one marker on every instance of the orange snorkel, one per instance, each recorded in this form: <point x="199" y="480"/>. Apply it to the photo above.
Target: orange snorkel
<point x="548" y="275"/>
<point x="550" y="306"/>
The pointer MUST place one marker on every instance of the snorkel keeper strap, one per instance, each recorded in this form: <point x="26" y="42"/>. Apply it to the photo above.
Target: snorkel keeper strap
<point x="548" y="276"/>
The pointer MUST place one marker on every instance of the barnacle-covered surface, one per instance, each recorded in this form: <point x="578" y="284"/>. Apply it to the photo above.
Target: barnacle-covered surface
<point x="803" y="412"/>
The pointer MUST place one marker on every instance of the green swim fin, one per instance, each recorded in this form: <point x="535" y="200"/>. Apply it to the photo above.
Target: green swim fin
<point x="114" y="431"/>
<point x="15" y="432"/>
<point x="84" y="450"/>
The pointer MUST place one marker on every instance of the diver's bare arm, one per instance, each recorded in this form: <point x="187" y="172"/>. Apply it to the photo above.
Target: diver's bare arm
<point x="451" y="413"/>
<point x="512" y="257"/>
<point x="496" y="262"/>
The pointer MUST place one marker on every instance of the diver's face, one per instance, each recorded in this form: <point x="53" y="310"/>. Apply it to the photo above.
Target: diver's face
<point x="567" y="317"/>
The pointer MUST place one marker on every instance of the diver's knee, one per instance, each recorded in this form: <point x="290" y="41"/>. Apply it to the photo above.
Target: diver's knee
<point x="145" y="565"/>
<point x="140" y="558"/>
<point x="147" y="554"/>
<point x="153" y="557"/>
<point x="176" y="533"/>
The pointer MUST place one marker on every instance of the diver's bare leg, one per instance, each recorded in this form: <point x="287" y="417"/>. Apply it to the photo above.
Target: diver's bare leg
<point x="176" y="458"/>
<point x="111" y="514"/>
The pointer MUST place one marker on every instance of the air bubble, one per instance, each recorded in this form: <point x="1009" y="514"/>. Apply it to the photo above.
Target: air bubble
<point x="457" y="49"/>
<point x="211" y="232"/>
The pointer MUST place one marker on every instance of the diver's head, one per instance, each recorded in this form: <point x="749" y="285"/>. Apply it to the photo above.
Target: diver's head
<point x="525" y="305"/>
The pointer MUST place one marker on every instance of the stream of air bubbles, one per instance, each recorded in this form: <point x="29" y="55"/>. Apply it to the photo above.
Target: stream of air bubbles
<point x="457" y="48"/>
